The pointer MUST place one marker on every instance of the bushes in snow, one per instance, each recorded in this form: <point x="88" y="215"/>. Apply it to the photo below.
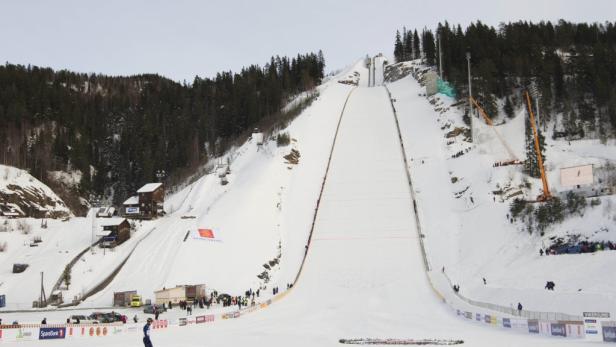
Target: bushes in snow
<point x="541" y="216"/>
<point x="575" y="203"/>
<point x="283" y="139"/>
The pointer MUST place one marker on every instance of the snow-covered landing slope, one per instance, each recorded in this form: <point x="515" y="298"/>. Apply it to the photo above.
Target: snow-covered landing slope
<point x="473" y="238"/>
<point x="268" y="203"/>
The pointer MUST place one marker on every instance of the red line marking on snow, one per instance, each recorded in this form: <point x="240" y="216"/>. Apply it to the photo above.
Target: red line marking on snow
<point x="340" y="238"/>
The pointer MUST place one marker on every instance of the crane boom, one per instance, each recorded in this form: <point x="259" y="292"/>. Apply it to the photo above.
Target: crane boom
<point x="546" y="190"/>
<point x="513" y="157"/>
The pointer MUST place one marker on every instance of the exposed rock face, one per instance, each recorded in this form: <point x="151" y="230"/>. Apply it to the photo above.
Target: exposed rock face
<point x="22" y="195"/>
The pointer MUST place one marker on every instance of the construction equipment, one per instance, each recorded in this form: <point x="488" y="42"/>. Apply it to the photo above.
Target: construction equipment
<point x="513" y="159"/>
<point x="546" y="195"/>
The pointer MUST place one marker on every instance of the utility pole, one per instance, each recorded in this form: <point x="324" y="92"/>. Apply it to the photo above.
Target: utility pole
<point x="94" y="204"/>
<point x="43" y="297"/>
<point x="470" y="92"/>
<point x="369" y="71"/>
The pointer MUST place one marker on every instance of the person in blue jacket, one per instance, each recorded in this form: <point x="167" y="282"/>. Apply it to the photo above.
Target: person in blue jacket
<point x="146" y="333"/>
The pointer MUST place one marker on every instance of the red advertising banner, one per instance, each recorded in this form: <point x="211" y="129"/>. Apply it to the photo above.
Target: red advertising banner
<point x="205" y="319"/>
<point x="206" y="233"/>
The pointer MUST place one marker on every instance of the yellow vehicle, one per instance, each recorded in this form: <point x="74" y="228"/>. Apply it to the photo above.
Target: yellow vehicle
<point x="135" y="300"/>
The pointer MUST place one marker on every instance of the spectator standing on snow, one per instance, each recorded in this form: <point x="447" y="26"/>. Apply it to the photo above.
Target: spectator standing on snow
<point x="44" y="321"/>
<point x="519" y="308"/>
<point x="146" y="333"/>
<point x="484" y="281"/>
<point x="540" y="252"/>
<point x="156" y="313"/>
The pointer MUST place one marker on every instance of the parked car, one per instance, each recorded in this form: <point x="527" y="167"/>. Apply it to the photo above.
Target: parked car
<point x="116" y="317"/>
<point x="101" y="317"/>
<point x="150" y="308"/>
<point x="107" y="317"/>
<point x="81" y="319"/>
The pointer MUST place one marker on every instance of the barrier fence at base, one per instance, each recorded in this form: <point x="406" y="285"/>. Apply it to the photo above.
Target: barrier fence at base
<point x="29" y="332"/>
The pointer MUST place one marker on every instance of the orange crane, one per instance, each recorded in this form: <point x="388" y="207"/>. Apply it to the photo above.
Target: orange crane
<point x="512" y="157"/>
<point x="546" y="190"/>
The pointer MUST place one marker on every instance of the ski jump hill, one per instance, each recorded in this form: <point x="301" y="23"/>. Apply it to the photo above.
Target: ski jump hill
<point x="347" y="224"/>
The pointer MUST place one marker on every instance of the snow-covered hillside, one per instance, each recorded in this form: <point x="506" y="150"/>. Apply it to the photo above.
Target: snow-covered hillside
<point x="23" y="195"/>
<point x="468" y="226"/>
<point x="364" y="275"/>
<point x="263" y="214"/>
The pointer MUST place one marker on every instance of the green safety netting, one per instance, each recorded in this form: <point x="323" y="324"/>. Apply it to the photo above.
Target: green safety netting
<point x="445" y="88"/>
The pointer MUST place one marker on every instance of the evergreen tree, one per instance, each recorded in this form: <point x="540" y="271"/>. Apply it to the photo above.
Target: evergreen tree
<point x="416" y="49"/>
<point x="531" y="164"/>
<point x="508" y="108"/>
<point x="398" y="48"/>
<point x="408" y="46"/>
<point x="428" y="47"/>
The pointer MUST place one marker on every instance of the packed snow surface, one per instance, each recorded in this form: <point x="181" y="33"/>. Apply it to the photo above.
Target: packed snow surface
<point x="364" y="275"/>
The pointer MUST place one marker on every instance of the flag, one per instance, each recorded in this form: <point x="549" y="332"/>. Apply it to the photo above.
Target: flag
<point x="206" y="233"/>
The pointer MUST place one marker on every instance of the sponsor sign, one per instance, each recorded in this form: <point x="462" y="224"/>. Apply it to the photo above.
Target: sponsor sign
<point x="52" y="333"/>
<point x="132" y="210"/>
<point x="596" y="314"/>
<point x="231" y="315"/>
<point x="2" y="300"/>
<point x="19" y="334"/>
<point x="206" y="233"/>
<point x="558" y="329"/>
<point x="182" y="322"/>
<point x="609" y="334"/>
<point x="506" y="322"/>
<point x="478" y="317"/>
<point x="593" y="322"/>
<point x="575" y="330"/>
<point x="533" y="326"/>
<point x="161" y="323"/>
<point x="487" y="318"/>
<point x="205" y="319"/>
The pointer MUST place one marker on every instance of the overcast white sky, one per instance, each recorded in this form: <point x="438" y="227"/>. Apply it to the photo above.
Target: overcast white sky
<point x="181" y="38"/>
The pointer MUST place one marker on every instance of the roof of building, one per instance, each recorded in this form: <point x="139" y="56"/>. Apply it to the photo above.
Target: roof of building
<point x="179" y="286"/>
<point x="133" y="200"/>
<point x="103" y="233"/>
<point x="150" y="187"/>
<point x="112" y="222"/>
<point x="106" y="210"/>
